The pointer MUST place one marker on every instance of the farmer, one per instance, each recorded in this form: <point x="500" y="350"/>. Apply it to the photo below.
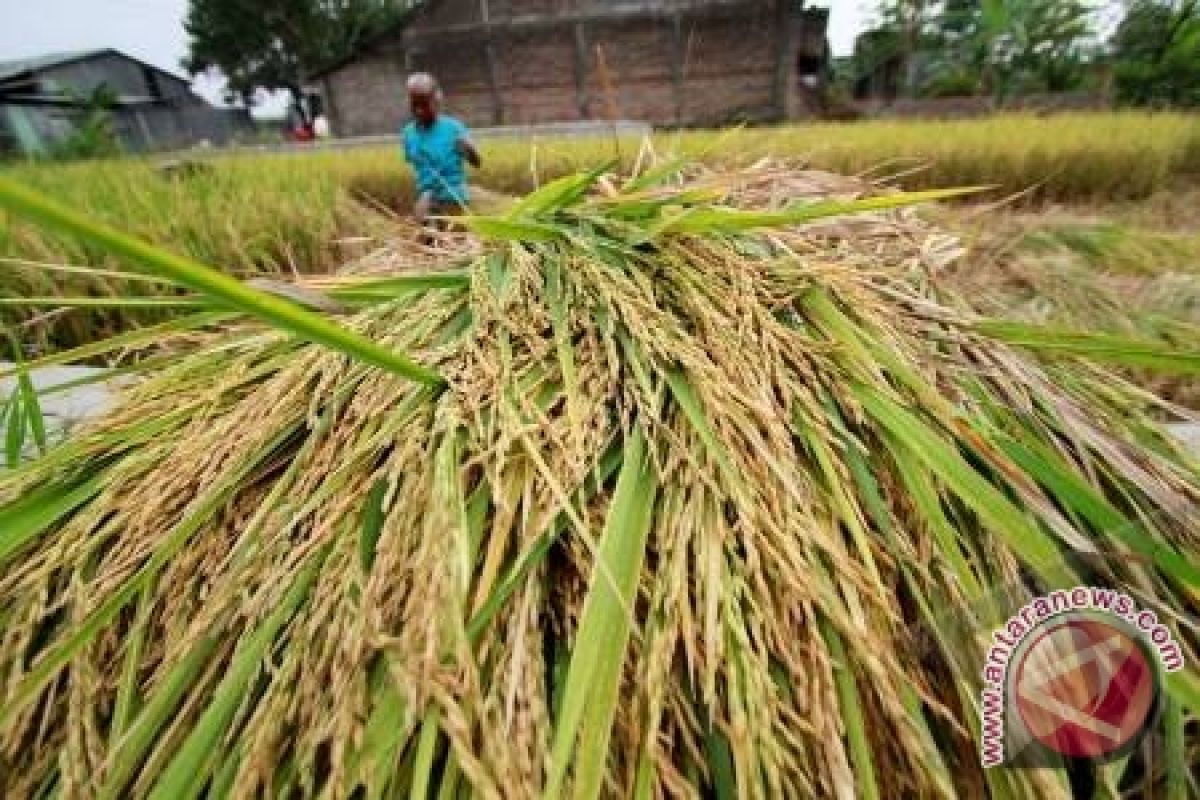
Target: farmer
<point x="436" y="145"/>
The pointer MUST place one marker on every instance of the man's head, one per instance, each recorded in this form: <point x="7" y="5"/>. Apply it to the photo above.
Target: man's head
<point x="424" y="97"/>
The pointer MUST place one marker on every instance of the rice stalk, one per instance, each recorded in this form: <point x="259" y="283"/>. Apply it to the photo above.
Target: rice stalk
<point x="710" y="510"/>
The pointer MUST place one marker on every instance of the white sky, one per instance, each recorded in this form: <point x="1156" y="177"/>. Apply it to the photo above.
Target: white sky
<point x="151" y="30"/>
<point x="847" y="19"/>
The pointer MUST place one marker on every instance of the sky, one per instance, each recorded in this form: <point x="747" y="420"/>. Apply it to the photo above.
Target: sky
<point x="152" y="30"/>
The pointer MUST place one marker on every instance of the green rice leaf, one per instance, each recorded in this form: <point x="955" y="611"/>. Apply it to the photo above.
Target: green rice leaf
<point x="656" y="175"/>
<point x="49" y="663"/>
<point x="427" y="746"/>
<point x="513" y="230"/>
<point x="1000" y="514"/>
<point x="26" y="518"/>
<point x="720" y="764"/>
<point x="1103" y="347"/>
<point x="14" y="434"/>
<point x="32" y="408"/>
<point x="142" y="337"/>
<point x="128" y="691"/>
<point x="187" y="773"/>
<point x="106" y="302"/>
<point x="372" y="525"/>
<point x="1070" y="490"/>
<point x="230" y="292"/>
<point x="856" y="727"/>
<point x="557" y="194"/>
<point x="584" y="722"/>
<point x="133" y="744"/>
<point x="387" y="729"/>
<point x="728" y="220"/>
<point x="1175" y="757"/>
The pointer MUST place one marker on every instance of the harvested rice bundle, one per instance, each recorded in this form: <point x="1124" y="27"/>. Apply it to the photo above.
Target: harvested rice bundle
<point x="650" y="506"/>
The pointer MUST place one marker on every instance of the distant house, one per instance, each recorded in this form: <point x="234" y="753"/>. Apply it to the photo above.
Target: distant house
<point x="42" y="100"/>
<point x="667" y="62"/>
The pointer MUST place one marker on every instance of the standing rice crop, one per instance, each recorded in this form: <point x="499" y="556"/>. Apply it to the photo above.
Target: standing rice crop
<point x="692" y="510"/>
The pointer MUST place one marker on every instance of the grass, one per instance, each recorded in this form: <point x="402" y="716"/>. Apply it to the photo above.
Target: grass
<point x="699" y="511"/>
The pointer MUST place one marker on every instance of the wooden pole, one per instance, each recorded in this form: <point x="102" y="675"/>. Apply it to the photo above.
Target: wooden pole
<point x="785" y="57"/>
<point x="677" y="65"/>
<point x="582" y="94"/>
<point x="493" y="70"/>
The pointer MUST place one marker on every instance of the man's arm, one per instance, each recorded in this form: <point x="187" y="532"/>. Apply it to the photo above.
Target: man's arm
<point x="406" y="144"/>
<point x="468" y="151"/>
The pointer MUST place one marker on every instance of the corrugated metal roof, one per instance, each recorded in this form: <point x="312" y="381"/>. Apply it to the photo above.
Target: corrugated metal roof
<point x="18" y="66"/>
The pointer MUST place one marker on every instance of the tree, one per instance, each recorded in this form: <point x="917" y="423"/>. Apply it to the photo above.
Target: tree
<point x="274" y="44"/>
<point x="1037" y="44"/>
<point x="904" y="31"/>
<point x="1000" y="46"/>
<point x="1156" y="51"/>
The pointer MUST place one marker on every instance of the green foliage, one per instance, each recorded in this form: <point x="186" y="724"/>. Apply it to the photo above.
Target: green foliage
<point x="93" y="135"/>
<point x="1157" y="54"/>
<point x="275" y="44"/>
<point x="1002" y="47"/>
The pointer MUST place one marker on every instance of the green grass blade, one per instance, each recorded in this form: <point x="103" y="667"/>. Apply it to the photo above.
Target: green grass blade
<point x="427" y="744"/>
<point x="14" y="435"/>
<point x="656" y="175"/>
<point x="188" y="771"/>
<point x="144" y="730"/>
<point x="128" y="690"/>
<point x="1103" y="347"/>
<point x="387" y="729"/>
<point x="1072" y="492"/>
<point x="537" y="552"/>
<point x="728" y="220"/>
<point x="689" y="402"/>
<point x="1007" y="520"/>
<point x="33" y="408"/>
<point x="504" y="229"/>
<point x="390" y="288"/>
<point x="48" y="665"/>
<point x="232" y="293"/>
<point x="1176" y="759"/>
<point x="557" y="194"/>
<point x="372" y="525"/>
<point x="142" y="337"/>
<point x="720" y="764"/>
<point x="588" y="703"/>
<point x="26" y="518"/>
<point x="106" y="302"/>
<point x="852" y="715"/>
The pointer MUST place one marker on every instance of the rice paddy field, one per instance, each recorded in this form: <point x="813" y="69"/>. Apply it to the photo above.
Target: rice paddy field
<point x="1111" y="198"/>
<point x="696" y="467"/>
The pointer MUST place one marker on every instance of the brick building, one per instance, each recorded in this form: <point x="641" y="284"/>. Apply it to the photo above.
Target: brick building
<point x="668" y="62"/>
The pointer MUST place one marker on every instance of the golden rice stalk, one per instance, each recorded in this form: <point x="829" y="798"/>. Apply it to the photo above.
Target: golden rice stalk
<point x="692" y="510"/>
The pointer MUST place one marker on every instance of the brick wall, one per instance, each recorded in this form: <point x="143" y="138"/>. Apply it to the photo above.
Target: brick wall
<point x="725" y="68"/>
<point x="366" y="96"/>
<point x="729" y="71"/>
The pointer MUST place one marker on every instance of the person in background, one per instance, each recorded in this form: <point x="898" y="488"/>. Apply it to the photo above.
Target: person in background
<point x="436" y="145"/>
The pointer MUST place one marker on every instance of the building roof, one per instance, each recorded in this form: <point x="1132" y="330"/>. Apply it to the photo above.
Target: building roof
<point x="20" y="66"/>
<point x="24" y="66"/>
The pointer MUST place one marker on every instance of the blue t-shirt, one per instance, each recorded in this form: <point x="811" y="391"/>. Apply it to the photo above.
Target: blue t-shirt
<point x="433" y="152"/>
